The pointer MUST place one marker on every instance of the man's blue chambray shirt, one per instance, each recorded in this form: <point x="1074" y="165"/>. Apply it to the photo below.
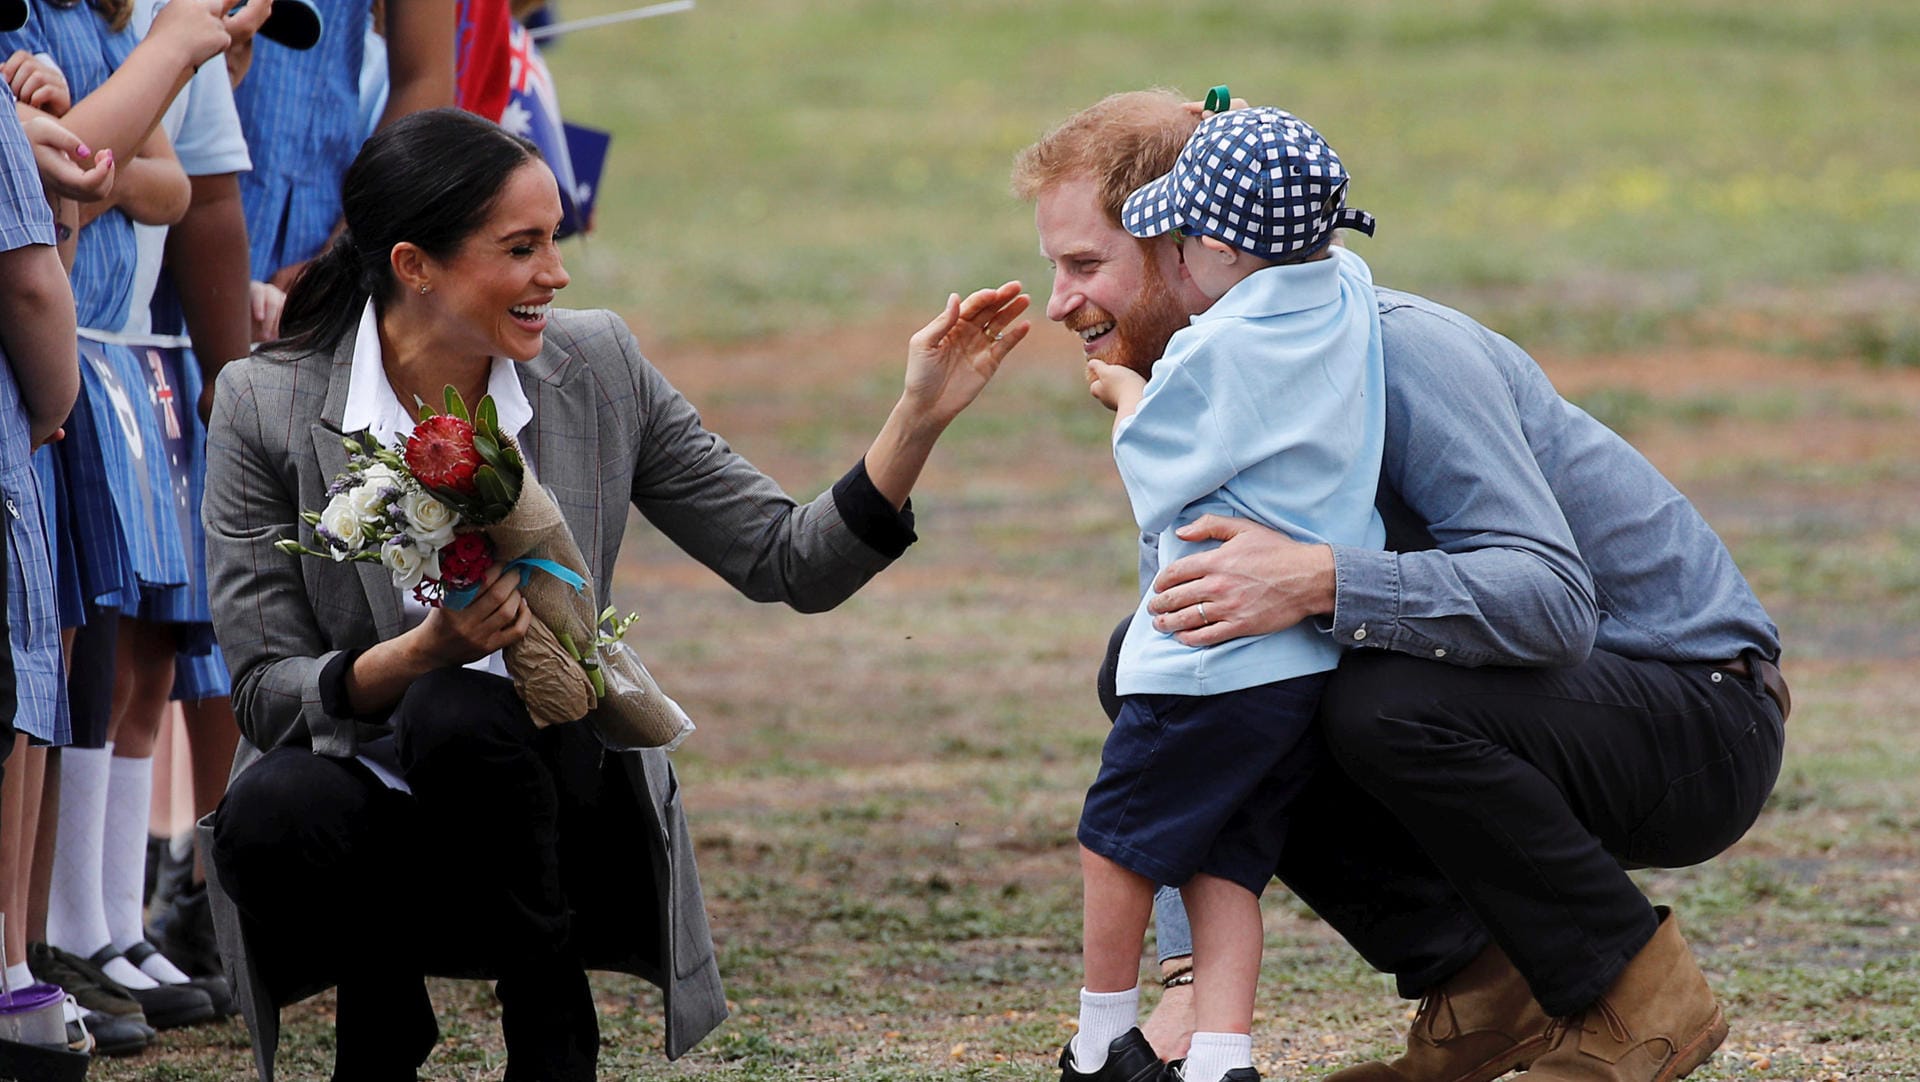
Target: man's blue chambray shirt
<point x="1521" y="531"/>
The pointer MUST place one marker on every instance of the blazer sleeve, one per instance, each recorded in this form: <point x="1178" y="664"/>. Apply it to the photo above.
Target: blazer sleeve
<point x="262" y="618"/>
<point x="724" y="512"/>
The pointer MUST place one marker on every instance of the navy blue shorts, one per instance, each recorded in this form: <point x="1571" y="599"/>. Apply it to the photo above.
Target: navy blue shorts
<point x="1203" y="783"/>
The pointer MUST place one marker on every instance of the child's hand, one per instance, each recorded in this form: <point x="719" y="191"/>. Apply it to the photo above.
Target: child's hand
<point x="59" y="153"/>
<point x="1117" y="388"/>
<point x="197" y="29"/>
<point x="37" y="83"/>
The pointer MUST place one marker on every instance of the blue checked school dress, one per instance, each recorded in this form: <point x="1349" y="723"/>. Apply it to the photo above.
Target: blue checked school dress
<point x="33" y="618"/>
<point x="124" y="529"/>
<point x="300" y="111"/>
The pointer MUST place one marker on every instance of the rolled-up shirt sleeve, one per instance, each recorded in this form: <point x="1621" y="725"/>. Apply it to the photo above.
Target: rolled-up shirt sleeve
<point x="1497" y="578"/>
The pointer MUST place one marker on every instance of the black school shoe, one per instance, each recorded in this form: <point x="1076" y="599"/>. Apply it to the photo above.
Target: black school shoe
<point x="216" y="988"/>
<point x="166" y="1006"/>
<point x="1129" y="1059"/>
<point x="112" y="1034"/>
<point x="86" y="984"/>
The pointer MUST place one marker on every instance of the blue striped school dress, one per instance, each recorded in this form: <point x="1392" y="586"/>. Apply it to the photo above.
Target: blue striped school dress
<point x="33" y="616"/>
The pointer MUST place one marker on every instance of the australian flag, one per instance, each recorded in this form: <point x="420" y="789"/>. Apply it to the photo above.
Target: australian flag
<point x="575" y="154"/>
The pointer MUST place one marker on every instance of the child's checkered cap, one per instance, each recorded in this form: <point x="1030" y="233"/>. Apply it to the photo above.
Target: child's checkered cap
<point x="1259" y="179"/>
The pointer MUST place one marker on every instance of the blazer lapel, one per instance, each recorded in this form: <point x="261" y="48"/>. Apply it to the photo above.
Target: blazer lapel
<point x="565" y="425"/>
<point x="383" y="598"/>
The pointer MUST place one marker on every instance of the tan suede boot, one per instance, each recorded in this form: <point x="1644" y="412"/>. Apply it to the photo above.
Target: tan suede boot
<point x="1657" y="1023"/>
<point x="1474" y="1026"/>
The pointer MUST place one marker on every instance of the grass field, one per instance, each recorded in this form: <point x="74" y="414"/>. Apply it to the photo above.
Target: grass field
<point x="1702" y="218"/>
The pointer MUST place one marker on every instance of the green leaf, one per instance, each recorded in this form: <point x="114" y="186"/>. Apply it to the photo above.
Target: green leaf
<point x="455" y="406"/>
<point x="489" y="417"/>
<point x="489" y="450"/>
<point x="486" y="480"/>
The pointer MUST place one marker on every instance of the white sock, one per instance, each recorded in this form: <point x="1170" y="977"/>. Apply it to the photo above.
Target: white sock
<point x="1104" y="1016"/>
<point x="1212" y="1055"/>
<point x="128" y="976"/>
<point x="76" y="919"/>
<point x="123" y="862"/>
<point x="19" y="977"/>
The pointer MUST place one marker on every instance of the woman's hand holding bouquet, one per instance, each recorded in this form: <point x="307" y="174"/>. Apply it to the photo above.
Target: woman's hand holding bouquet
<point x="452" y="513"/>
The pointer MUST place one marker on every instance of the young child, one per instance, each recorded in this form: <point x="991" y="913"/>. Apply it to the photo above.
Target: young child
<point x="1269" y="407"/>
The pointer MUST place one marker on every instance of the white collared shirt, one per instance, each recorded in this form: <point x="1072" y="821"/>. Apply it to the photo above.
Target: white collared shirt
<point x="373" y="406"/>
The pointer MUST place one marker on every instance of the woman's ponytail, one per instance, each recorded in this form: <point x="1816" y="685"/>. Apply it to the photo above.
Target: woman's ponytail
<point x="325" y="301"/>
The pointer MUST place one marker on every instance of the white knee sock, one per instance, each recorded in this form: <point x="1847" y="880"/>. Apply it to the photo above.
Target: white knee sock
<point x="1212" y="1055"/>
<point x="124" y="862"/>
<point x="76" y="910"/>
<point x="76" y="920"/>
<point x="1104" y="1016"/>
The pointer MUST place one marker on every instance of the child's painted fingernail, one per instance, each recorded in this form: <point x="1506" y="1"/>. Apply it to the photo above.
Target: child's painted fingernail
<point x="84" y="151"/>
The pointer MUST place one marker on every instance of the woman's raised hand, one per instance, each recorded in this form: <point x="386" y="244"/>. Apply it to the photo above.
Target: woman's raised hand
<point x="494" y="620"/>
<point x="951" y="358"/>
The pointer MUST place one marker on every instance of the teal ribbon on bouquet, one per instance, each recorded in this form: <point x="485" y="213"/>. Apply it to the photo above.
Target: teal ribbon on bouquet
<point x="526" y="565"/>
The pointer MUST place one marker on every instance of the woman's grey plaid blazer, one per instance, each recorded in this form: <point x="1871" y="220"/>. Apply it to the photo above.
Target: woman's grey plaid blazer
<point x="607" y="432"/>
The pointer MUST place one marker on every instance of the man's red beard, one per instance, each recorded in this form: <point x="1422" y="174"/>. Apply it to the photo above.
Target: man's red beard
<point x="1141" y="337"/>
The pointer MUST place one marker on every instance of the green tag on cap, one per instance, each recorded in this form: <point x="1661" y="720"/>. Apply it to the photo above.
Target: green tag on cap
<point x="1219" y="100"/>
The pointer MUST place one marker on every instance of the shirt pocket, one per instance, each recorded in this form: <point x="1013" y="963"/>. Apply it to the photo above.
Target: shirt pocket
<point x="30" y="597"/>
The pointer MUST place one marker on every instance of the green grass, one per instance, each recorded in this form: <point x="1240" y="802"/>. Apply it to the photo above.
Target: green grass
<point x="1575" y="169"/>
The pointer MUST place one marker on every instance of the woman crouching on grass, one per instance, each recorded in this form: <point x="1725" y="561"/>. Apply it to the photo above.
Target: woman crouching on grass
<point x="395" y="811"/>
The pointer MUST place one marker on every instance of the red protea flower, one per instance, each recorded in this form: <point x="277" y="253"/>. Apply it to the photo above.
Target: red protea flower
<point x="441" y="455"/>
<point x="464" y="560"/>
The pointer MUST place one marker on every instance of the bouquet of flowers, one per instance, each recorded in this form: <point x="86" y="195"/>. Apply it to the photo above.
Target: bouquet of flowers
<point x="456" y="498"/>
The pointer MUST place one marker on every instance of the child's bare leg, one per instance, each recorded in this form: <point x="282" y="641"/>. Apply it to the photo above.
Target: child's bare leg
<point x="1226" y="968"/>
<point x="19" y="823"/>
<point x="1115" y="907"/>
<point x="1116" y="904"/>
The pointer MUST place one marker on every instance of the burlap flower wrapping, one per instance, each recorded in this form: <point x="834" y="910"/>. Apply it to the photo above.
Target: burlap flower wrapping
<point x="634" y="713"/>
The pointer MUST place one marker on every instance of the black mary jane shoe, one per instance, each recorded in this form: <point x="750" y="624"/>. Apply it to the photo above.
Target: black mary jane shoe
<point x="1129" y="1059"/>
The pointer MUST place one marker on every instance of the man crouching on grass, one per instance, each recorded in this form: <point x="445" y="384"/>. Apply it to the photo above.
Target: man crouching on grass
<point x="1554" y="671"/>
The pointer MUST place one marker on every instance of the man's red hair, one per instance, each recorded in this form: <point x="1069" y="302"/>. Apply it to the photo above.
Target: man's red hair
<point x="1120" y="142"/>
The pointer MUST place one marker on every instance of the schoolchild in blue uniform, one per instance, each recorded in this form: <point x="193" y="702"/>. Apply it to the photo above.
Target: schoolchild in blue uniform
<point x="125" y="532"/>
<point x="38" y="382"/>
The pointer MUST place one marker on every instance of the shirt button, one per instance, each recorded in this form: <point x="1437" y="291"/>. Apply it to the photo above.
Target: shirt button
<point x="1359" y="633"/>
<point x="1439" y="651"/>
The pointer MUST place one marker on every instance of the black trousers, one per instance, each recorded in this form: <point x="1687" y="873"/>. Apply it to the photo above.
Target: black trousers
<point x="342" y="880"/>
<point x="1507" y="804"/>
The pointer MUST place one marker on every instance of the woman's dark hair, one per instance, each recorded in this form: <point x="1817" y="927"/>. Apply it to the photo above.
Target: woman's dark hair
<point x="431" y="178"/>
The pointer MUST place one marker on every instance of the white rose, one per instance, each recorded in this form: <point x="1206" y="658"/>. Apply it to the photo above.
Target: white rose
<point x="341" y="520"/>
<point x="409" y="563"/>
<point x="429" y="521"/>
<point x="377" y="488"/>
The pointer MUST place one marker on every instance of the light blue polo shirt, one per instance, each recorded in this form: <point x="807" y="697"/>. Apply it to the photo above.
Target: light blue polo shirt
<point x="1270" y="407"/>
